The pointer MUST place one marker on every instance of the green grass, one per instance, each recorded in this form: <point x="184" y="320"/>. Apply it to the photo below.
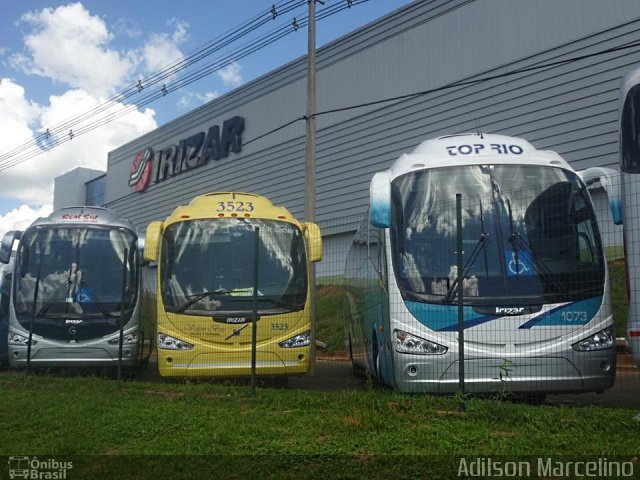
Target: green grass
<point x="617" y="278"/>
<point x="330" y="326"/>
<point x="49" y="416"/>
<point x="614" y="252"/>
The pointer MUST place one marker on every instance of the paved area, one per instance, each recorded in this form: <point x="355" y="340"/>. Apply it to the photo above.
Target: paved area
<point x="336" y="374"/>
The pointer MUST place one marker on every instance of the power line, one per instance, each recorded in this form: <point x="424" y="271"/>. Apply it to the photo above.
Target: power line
<point x="169" y="70"/>
<point x="460" y="83"/>
<point x="399" y="98"/>
<point x="242" y="52"/>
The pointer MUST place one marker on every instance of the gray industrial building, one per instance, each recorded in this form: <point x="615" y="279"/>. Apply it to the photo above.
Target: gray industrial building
<point x="471" y="47"/>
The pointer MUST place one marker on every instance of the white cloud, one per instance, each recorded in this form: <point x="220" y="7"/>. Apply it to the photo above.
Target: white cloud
<point x="127" y="27"/>
<point x="31" y="181"/>
<point x="20" y="218"/>
<point x="163" y="49"/>
<point x="17" y="114"/>
<point x="69" y="45"/>
<point x="230" y="75"/>
<point x="188" y="99"/>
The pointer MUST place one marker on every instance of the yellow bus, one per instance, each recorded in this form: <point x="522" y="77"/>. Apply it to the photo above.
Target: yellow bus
<point x="205" y="254"/>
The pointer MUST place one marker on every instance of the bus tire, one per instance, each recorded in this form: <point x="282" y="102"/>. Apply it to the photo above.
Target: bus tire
<point x="376" y="361"/>
<point x="534" y="398"/>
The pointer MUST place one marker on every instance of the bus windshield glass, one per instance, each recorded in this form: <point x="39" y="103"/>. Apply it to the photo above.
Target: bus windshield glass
<point x="80" y="272"/>
<point x="207" y="266"/>
<point x="529" y="235"/>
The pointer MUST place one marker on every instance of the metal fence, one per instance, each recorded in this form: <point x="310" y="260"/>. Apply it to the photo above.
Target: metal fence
<point x="519" y="290"/>
<point x="542" y="311"/>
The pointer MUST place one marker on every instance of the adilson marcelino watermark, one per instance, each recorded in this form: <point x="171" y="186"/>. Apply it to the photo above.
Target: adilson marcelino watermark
<point x="545" y="467"/>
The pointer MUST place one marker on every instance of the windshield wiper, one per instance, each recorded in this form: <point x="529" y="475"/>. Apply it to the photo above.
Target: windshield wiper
<point x="64" y="287"/>
<point x="413" y="295"/>
<point x="236" y="331"/>
<point x="453" y="288"/>
<point x="52" y="300"/>
<point x="278" y="302"/>
<point x="519" y="243"/>
<point x="199" y="296"/>
<point x="480" y="245"/>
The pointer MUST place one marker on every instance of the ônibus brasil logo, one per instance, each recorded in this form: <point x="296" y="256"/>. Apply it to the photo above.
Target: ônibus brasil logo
<point x="141" y="170"/>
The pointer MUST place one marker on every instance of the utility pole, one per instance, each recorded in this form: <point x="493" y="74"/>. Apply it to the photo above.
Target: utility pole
<point x="310" y="166"/>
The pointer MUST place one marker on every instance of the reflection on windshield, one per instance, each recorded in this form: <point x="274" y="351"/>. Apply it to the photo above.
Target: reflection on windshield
<point x="529" y="232"/>
<point x="207" y="266"/>
<point x="79" y="272"/>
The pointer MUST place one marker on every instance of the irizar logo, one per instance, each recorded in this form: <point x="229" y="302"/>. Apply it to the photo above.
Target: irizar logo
<point x="218" y="142"/>
<point x="509" y="310"/>
<point x="141" y="170"/>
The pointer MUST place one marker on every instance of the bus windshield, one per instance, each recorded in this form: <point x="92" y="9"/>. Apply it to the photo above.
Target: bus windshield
<point x="79" y="272"/>
<point x="529" y="235"/>
<point x="207" y="266"/>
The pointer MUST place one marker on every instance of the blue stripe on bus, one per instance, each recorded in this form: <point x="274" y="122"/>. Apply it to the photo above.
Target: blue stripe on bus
<point x="616" y="211"/>
<point x="574" y="313"/>
<point x="445" y="317"/>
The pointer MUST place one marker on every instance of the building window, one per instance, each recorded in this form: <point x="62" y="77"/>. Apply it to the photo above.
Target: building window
<point x="95" y="191"/>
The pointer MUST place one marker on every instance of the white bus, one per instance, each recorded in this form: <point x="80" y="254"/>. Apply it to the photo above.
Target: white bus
<point x="76" y="280"/>
<point x="630" y="172"/>
<point x="536" y="305"/>
<point x="6" y="271"/>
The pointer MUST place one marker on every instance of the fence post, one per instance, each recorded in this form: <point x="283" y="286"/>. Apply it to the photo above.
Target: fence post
<point x="120" y="322"/>
<point x="33" y="313"/>
<point x="254" y="319"/>
<point x="460" y="280"/>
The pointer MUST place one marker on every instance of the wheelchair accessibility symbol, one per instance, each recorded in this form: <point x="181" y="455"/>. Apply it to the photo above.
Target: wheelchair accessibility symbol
<point x="84" y="295"/>
<point x="519" y="266"/>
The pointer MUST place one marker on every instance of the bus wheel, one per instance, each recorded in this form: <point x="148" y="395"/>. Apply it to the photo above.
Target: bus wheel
<point x="357" y="370"/>
<point x="350" y="349"/>
<point x="376" y="361"/>
<point x="535" y="398"/>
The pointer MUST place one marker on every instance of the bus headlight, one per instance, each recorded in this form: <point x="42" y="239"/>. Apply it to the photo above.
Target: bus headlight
<point x="602" y="340"/>
<point x="407" y="343"/>
<point x="17" y="339"/>
<point x="301" y="340"/>
<point x="126" y="339"/>
<point x="167" y="342"/>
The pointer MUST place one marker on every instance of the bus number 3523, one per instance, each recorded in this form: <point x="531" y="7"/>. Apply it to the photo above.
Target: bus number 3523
<point x="237" y="206"/>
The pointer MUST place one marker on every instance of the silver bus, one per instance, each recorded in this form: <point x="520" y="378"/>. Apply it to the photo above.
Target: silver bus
<point x="6" y="271"/>
<point x="535" y="298"/>
<point x="76" y="282"/>
<point x="630" y="171"/>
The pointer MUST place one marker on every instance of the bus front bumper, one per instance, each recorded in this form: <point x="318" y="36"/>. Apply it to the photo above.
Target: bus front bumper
<point x="561" y="373"/>
<point x="48" y="353"/>
<point x="189" y="363"/>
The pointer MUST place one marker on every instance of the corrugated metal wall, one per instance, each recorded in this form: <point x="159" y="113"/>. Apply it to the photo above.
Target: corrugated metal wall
<point x="570" y="108"/>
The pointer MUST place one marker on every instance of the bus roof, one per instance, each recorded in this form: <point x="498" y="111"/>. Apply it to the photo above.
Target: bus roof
<point x="85" y="216"/>
<point x="230" y="205"/>
<point x="474" y="149"/>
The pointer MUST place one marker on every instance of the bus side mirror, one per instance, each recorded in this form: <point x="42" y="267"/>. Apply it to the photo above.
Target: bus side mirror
<point x="380" y="200"/>
<point x="140" y="246"/>
<point x="7" y="245"/>
<point x="610" y="181"/>
<point x="629" y="122"/>
<point x="152" y="241"/>
<point x="314" y="241"/>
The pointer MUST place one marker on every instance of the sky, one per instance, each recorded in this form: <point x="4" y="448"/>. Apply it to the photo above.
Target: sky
<point x="63" y="63"/>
